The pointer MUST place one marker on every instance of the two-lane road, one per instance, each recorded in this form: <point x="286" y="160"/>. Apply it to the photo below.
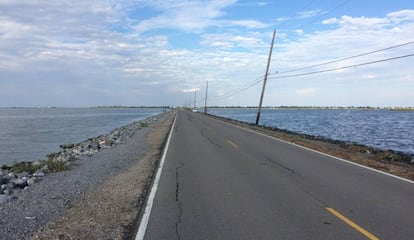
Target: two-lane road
<point x="223" y="182"/>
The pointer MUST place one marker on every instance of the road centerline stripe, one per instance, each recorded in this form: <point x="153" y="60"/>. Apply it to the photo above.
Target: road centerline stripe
<point x="352" y="224"/>
<point x="232" y="144"/>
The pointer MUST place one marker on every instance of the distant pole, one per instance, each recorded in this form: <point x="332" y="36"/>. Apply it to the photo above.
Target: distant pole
<point x="265" y="78"/>
<point x="205" y="102"/>
<point x="195" y="98"/>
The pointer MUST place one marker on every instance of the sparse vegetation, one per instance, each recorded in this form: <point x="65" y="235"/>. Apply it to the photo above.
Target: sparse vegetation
<point x="24" y="167"/>
<point x="55" y="165"/>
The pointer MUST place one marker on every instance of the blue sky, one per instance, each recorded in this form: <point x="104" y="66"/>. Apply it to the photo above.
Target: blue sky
<point x="90" y="53"/>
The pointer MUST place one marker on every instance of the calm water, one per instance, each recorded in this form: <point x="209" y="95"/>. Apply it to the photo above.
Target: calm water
<point x="377" y="128"/>
<point x="27" y="134"/>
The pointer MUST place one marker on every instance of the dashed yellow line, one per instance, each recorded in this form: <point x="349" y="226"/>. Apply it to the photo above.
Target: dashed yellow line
<point x="352" y="224"/>
<point x="232" y="144"/>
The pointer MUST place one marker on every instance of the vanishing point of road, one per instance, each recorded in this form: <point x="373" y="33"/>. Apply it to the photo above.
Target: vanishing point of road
<point x="219" y="181"/>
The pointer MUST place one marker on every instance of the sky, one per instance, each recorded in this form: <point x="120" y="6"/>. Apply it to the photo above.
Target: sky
<point x="76" y="53"/>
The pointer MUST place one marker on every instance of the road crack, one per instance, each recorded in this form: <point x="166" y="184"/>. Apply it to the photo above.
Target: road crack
<point x="280" y="165"/>
<point x="177" y="199"/>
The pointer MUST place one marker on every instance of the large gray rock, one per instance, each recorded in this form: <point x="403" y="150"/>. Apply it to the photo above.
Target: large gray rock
<point x="39" y="174"/>
<point x="31" y="181"/>
<point x="20" y="183"/>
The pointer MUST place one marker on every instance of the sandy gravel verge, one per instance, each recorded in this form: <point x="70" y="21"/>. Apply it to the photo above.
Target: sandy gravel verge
<point x="112" y="209"/>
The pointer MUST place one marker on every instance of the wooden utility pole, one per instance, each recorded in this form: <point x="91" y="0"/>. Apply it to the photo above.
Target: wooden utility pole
<point x="265" y="79"/>
<point x="205" y="102"/>
<point x="195" y="99"/>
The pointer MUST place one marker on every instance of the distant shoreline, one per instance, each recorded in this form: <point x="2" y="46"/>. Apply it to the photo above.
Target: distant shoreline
<point x="105" y="107"/>
<point x="315" y="108"/>
<point x="234" y="107"/>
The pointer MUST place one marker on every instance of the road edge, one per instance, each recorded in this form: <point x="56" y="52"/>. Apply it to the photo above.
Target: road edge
<point x="144" y="219"/>
<point x="313" y="150"/>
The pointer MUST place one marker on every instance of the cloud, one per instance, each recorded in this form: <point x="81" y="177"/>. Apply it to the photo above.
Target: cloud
<point x="251" y="42"/>
<point x="359" y="22"/>
<point x="299" y="31"/>
<point x="194" y="16"/>
<point x="219" y="93"/>
<point x="74" y="53"/>
<point x="190" y="90"/>
<point x="306" y="91"/>
<point x="310" y="13"/>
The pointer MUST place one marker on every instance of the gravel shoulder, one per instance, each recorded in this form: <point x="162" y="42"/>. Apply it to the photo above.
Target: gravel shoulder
<point x="99" y="197"/>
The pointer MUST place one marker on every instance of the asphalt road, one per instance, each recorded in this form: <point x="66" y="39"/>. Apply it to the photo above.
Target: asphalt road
<point x="223" y="182"/>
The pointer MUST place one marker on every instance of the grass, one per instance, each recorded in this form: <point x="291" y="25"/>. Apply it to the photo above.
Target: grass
<point x="24" y="167"/>
<point x="53" y="165"/>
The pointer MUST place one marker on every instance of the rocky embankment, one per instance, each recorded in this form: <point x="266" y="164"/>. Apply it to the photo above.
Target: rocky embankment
<point x="20" y="176"/>
<point x="99" y="194"/>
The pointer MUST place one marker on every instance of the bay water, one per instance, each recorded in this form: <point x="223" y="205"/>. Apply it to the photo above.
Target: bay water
<point x="28" y="134"/>
<point x="383" y="129"/>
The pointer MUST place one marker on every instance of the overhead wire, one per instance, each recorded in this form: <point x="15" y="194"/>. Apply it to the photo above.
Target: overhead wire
<point x="345" y="58"/>
<point x="317" y="17"/>
<point x="259" y="79"/>
<point x="300" y="9"/>
<point x="344" y="67"/>
<point x="240" y="89"/>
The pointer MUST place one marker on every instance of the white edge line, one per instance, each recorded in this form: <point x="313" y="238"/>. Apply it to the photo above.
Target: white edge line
<point x="145" y="217"/>
<point x="315" y="151"/>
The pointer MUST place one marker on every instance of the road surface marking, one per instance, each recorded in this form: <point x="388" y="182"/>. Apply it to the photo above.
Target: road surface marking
<point x="352" y="224"/>
<point x="315" y="151"/>
<point x="145" y="217"/>
<point x="232" y="144"/>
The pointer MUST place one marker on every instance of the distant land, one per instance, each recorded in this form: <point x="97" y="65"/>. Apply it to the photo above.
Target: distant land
<point x="248" y="107"/>
<point x="319" y="107"/>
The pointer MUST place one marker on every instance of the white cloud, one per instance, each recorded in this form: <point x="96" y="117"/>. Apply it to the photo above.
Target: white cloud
<point x="306" y="91"/>
<point x="252" y="41"/>
<point x="219" y="93"/>
<point x="330" y="21"/>
<point x="310" y="13"/>
<point x="77" y="52"/>
<point x="194" y="16"/>
<point x="190" y="90"/>
<point x="299" y="31"/>
<point x="400" y="16"/>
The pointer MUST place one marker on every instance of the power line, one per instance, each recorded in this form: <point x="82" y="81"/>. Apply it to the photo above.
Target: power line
<point x="325" y="13"/>
<point x="241" y="88"/>
<point x="300" y="9"/>
<point x="345" y="67"/>
<point x="346" y="58"/>
<point x="240" y="91"/>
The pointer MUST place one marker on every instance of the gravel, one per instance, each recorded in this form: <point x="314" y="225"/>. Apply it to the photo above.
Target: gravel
<point x="46" y="200"/>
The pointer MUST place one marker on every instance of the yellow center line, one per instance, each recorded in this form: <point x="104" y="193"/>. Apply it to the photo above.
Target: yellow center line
<point x="352" y="224"/>
<point x="232" y="143"/>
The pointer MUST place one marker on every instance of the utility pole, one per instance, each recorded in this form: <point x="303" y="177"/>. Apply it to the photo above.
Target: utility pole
<point x="265" y="78"/>
<point x="205" y="102"/>
<point x="195" y="99"/>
